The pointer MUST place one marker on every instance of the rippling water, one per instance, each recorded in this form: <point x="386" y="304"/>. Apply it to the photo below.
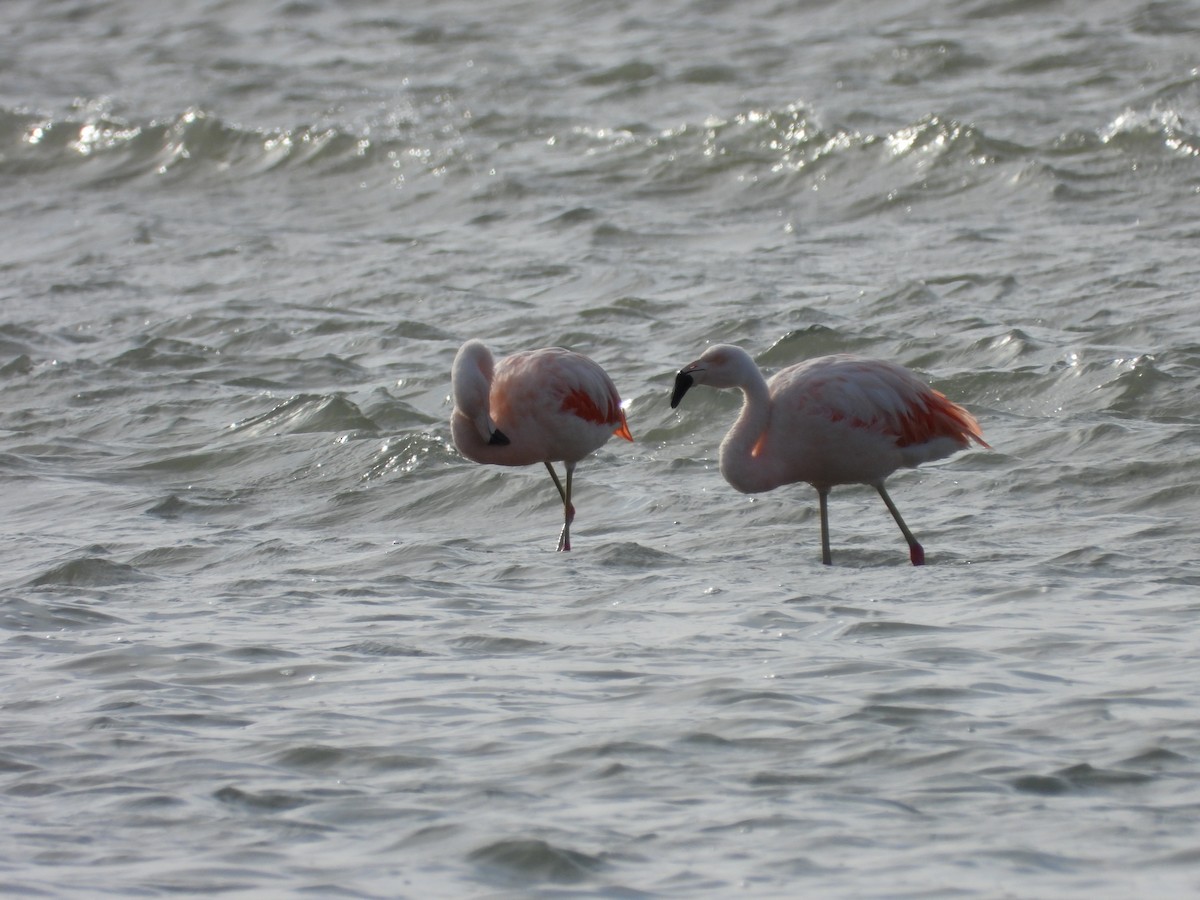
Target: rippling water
<point x="266" y="633"/>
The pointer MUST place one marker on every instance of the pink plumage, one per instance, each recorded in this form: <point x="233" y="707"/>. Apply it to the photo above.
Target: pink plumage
<point x="549" y="405"/>
<point x="832" y="420"/>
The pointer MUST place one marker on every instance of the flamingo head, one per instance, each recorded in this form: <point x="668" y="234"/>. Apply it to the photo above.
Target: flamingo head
<point x="471" y="380"/>
<point x="718" y="367"/>
<point x="683" y="383"/>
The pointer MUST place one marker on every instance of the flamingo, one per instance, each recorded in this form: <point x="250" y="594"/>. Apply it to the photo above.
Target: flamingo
<point x="827" y="421"/>
<point x="549" y="405"/>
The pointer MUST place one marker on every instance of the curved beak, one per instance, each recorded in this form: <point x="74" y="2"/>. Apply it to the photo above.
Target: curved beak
<point x="499" y="438"/>
<point x="683" y="382"/>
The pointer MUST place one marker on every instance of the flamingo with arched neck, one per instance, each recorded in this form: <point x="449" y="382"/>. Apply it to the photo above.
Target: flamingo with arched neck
<point x="549" y="405"/>
<point x="832" y="420"/>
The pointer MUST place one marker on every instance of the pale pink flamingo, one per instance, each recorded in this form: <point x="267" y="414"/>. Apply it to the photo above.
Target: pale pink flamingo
<point x="832" y="420"/>
<point x="546" y="406"/>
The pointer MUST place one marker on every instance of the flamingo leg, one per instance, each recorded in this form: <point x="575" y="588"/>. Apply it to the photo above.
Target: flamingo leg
<point x="558" y="484"/>
<point x="915" y="551"/>
<point x="564" y="539"/>
<point x="823" y="496"/>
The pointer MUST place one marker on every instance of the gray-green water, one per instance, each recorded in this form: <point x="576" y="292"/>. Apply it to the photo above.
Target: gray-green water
<point x="266" y="634"/>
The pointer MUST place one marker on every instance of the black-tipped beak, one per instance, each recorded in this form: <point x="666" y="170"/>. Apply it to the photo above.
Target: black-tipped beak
<point x="683" y="381"/>
<point x="498" y="438"/>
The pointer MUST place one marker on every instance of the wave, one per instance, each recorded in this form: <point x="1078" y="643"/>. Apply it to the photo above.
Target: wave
<point x="526" y="860"/>
<point x="758" y="147"/>
<point x="1156" y="128"/>
<point x="309" y="413"/>
<point x="106" y="148"/>
<point x="760" y="157"/>
<point x="89" y="571"/>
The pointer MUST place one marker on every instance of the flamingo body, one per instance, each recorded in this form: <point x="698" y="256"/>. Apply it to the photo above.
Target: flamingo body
<point x="549" y="405"/>
<point x="828" y="421"/>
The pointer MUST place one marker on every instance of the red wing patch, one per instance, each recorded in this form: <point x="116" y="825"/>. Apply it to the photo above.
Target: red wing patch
<point x="582" y="404"/>
<point x="937" y="417"/>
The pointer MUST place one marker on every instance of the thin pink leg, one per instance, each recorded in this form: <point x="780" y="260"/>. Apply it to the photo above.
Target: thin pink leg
<point x="564" y="538"/>
<point x="915" y="551"/>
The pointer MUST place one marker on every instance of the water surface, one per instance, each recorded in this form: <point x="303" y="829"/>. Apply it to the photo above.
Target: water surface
<point x="265" y="632"/>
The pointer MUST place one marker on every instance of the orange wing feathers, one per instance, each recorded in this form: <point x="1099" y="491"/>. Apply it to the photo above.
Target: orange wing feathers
<point x="936" y="416"/>
<point x="584" y="405"/>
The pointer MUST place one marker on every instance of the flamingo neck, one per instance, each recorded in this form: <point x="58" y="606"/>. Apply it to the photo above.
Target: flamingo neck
<point x="468" y="440"/>
<point x="743" y="464"/>
<point x="471" y="423"/>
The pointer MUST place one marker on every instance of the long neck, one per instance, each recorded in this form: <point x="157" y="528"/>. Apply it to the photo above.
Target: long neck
<point x="467" y="427"/>
<point x="745" y="470"/>
<point x="468" y="440"/>
<point x="471" y="423"/>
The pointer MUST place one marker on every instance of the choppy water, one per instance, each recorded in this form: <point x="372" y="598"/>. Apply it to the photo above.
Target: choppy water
<point x="265" y="633"/>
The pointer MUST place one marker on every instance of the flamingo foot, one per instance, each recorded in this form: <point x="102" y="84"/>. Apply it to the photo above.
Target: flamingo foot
<point x="916" y="553"/>
<point x="564" y="539"/>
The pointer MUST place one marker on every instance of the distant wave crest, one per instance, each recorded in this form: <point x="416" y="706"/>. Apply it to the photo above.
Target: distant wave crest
<point x="755" y="145"/>
<point x="101" y="145"/>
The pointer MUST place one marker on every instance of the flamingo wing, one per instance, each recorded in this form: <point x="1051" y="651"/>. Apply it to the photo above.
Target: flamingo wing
<point x="585" y="389"/>
<point x="881" y="397"/>
<point x="565" y="399"/>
